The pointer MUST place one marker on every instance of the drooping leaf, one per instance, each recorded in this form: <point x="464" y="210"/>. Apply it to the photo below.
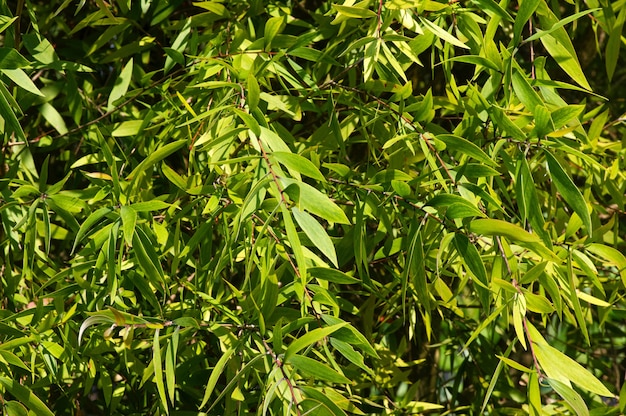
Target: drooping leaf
<point x="316" y="369"/>
<point x="314" y="201"/>
<point x="121" y="85"/>
<point x="311" y="337"/>
<point x="568" y="190"/>
<point x="316" y="233"/>
<point x="26" y="396"/>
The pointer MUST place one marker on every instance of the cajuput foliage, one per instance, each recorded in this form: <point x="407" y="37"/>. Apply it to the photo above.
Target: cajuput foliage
<point x="312" y="208"/>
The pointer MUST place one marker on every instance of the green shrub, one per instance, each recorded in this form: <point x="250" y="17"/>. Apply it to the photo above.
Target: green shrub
<point x="281" y="207"/>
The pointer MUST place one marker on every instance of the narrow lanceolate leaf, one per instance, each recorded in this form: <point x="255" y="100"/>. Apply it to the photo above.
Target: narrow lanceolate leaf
<point x="53" y="117"/>
<point x="461" y="145"/>
<point x="503" y="122"/>
<point x="147" y="206"/>
<point x="25" y="396"/>
<point x="310" y="338"/>
<point x="526" y="94"/>
<point x="614" y="44"/>
<point x="441" y="33"/>
<point x="22" y="80"/>
<point x="502" y="228"/>
<point x="9" y="115"/>
<point x="296" y="246"/>
<point x="568" y="190"/>
<point x="299" y="164"/>
<point x="129" y="219"/>
<point x="91" y="220"/>
<point x="319" y="371"/>
<point x="314" y="201"/>
<point x="254" y="92"/>
<point x="612" y="256"/>
<point x="147" y="257"/>
<point x="570" y="396"/>
<point x="354" y="12"/>
<point x="474" y="263"/>
<point x="121" y="85"/>
<point x="158" y="370"/>
<point x="560" y="367"/>
<point x="519" y="314"/>
<point x="94" y="320"/>
<point x="514" y="233"/>
<point x="215" y="374"/>
<point x="156" y="156"/>
<point x="316" y="233"/>
<point x="524" y="13"/>
<point x="566" y="59"/>
<point x="170" y="365"/>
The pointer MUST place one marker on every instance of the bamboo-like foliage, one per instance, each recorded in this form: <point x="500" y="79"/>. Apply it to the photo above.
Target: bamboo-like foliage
<point x="312" y="208"/>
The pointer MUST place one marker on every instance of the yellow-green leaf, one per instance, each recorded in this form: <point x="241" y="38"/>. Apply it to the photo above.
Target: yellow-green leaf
<point x="316" y="233"/>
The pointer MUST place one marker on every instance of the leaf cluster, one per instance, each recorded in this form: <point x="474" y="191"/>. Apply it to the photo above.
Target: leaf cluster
<point x="277" y="207"/>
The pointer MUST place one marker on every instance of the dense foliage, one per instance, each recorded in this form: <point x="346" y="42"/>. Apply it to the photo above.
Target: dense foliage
<point x="304" y="207"/>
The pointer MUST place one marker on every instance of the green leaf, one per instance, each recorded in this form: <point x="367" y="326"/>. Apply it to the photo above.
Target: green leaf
<point x="323" y="404"/>
<point x="526" y="10"/>
<point x="296" y="246"/>
<point x="350" y="335"/>
<point x="316" y="233"/>
<point x="457" y="206"/>
<point x="91" y="220"/>
<point x="158" y="371"/>
<point x="6" y="21"/>
<point x="53" y="117"/>
<point x="22" y="80"/>
<point x="40" y="48"/>
<point x="526" y="94"/>
<point x="570" y="396"/>
<point x="13" y="359"/>
<point x="612" y="256"/>
<point x="147" y="206"/>
<point x="332" y="275"/>
<point x="493" y="7"/>
<point x="476" y="61"/>
<point x="11" y="59"/>
<point x="156" y="156"/>
<point x="464" y="146"/>
<point x="254" y="92"/>
<point x="563" y="115"/>
<point x="614" y="44"/>
<point x="8" y="115"/>
<point x="297" y="163"/>
<point x="350" y="353"/>
<point x="273" y="26"/>
<point x="129" y="219"/>
<point x="503" y="122"/>
<point x="128" y="128"/>
<point x="559" y="366"/>
<point x="566" y="59"/>
<point x="216" y="373"/>
<point x="121" y="85"/>
<point x="175" y="55"/>
<point x="319" y="371"/>
<point x="514" y="233"/>
<point x="94" y="320"/>
<point x="353" y="11"/>
<point x="317" y="203"/>
<point x="560" y="24"/>
<point x="568" y="190"/>
<point x="472" y="260"/>
<point x="26" y="397"/>
<point x="147" y="257"/>
<point x="310" y="338"/>
<point x="441" y="33"/>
